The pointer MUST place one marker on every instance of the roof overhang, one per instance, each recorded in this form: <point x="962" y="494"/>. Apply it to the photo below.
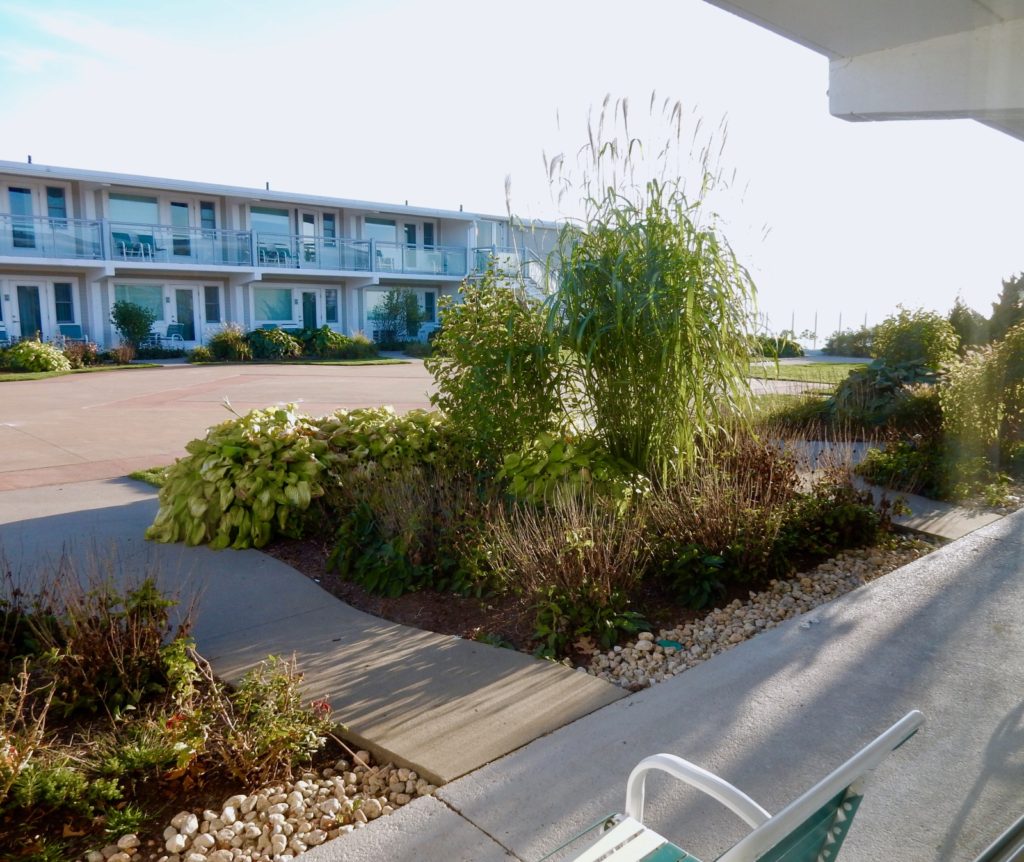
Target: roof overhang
<point x="910" y="59"/>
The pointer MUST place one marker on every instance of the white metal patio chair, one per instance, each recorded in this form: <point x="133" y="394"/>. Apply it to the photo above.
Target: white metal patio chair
<point x="810" y="829"/>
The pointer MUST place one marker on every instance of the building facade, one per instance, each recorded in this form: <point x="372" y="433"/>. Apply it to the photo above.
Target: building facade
<point x="73" y="242"/>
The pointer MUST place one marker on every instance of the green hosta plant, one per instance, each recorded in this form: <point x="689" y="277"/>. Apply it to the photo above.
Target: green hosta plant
<point x="36" y="356"/>
<point x="249" y="478"/>
<point x="273" y="344"/>
<point x="556" y="463"/>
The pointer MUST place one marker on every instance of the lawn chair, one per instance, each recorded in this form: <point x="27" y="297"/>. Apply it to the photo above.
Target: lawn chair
<point x="124" y="244"/>
<point x="72" y="332"/>
<point x="148" y="246"/>
<point x="810" y="829"/>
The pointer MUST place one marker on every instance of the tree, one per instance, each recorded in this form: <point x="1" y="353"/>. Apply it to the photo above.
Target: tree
<point x="1009" y="309"/>
<point x="969" y="325"/>
<point x="132" y="321"/>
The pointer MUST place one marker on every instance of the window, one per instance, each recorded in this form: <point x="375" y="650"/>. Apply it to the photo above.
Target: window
<point x="428" y="233"/>
<point x="180" y="223"/>
<point x="330" y="230"/>
<point x="23" y="233"/>
<point x="63" y="304"/>
<point x="208" y="215"/>
<point x="149" y="296"/>
<point x="133" y="209"/>
<point x="429" y="307"/>
<point x="265" y="220"/>
<point x="410" y="234"/>
<point x="380" y="229"/>
<point x="211" y="297"/>
<point x="273" y="304"/>
<point x="56" y="203"/>
<point x="331" y="305"/>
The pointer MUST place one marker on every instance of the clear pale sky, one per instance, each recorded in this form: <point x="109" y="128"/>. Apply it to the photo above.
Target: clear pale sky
<point x="393" y="100"/>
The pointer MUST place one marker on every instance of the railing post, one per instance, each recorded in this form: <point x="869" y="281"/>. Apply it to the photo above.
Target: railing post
<point x="253" y="259"/>
<point x="373" y="255"/>
<point x="106" y="253"/>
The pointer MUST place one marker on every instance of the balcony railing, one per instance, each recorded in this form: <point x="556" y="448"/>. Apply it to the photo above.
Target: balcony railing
<point x="98" y="239"/>
<point x="152" y="243"/>
<point x="422" y="260"/>
<point x="32" y="236"/>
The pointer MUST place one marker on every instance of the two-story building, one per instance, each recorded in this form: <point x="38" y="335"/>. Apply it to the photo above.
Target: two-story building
<point x="73" y="242"/>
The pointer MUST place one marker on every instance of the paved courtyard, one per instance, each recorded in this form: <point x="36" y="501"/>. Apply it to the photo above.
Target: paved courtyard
<point x="99" y="426"/>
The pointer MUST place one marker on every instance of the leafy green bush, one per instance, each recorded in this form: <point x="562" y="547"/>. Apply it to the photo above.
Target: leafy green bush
<point x="850" y="342"/>
<point x="35" y="356"/>
<point x="418" y="349"/>
<point x="273" y="344"/>
<point x="1008" y="309"/>
<point x="133" y="322"/>
<point x="553" y="464"/>
<point x="249" y="478"/>
<point x="833" y="516"/>
<point x="494" y="368"/>
<point x="916" y="337"/>
<point x="229" y="344"/>
<point x="155" y="351"/>
<point x="200" y="353"/>
<point x="971" y="328"/>
<point x="778" y="347"/>
<point x="871" y="395"/>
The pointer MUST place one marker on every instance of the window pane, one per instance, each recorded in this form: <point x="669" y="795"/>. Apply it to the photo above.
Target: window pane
<point x="331" y="305"/>
<point x="329" y="228"/>
<point x="63" y="305"/>
<point x="428" y="233"/>
<point x="56" y="204"/>
<point x="273" y="304"/>
<point x="211" y="295"/>
<point x="272" y="221"/>
<point x="430" y="306"/>
<point x="381" y="229"/>
<point x="207" y="215"/>
<point x="410" y="234"/>
<point x="134" y="209"/>
<point x="23" y="232"/>
<point x="149" y="296"/>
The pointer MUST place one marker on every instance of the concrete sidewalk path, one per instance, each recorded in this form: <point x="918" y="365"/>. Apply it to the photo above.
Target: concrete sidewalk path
<point x="943" y="634"/>
<point x="442" y="705"/>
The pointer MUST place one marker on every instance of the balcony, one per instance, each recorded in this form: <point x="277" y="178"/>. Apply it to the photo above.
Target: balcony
<point x="154" y="243"/>
<point x="54" y="238"/>
<point x="128" y="243"/>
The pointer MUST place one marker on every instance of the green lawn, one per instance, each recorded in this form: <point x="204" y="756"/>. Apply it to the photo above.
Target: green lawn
<point x="311" y="362"/>
<point x="814" y="372"/>
<point x="7" y="376"/>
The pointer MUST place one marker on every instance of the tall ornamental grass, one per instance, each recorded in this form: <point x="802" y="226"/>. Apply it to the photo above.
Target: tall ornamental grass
<point x="652" y="310"/>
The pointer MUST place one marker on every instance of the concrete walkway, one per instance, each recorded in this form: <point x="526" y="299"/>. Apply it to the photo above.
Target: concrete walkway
<point x="773" y="715"/>
<point x="442" y="705"/>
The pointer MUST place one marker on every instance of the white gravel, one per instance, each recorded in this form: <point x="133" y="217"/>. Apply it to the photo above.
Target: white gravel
<point x="280" y="821"/>
<point x="653" y="658"/>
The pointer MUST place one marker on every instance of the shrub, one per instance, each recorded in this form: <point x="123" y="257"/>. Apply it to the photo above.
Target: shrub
<point x="36" y="356"/>
<point x="494" y="368"/>
<point x="81" y="354"/>
<point x="155" y="351"/>
<point x="778" y="347"/>
<point x="578" y="560"/>
<point x="555" y="464"/>
<point x="273" y="344"/>
<point x="123" y="354"/>
<point x="873" y="394"/>
<point x="833" y="516"/>
<point x="971" y="328"/>
<point x="916" y="336"/>
<point x="133" y="322"/>
<point x="850" y="342"/>
<point x="418" y="349"/>
<point x="230" y="344"/>
<point x="200" y="353"/>
<point x="1008" y="310"/>
<point x="249" y="478"/>
<point x="358" y="347"/>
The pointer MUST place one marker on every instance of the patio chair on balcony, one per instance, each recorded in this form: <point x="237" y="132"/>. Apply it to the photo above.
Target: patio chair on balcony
<point x="810" y="829"/>
<point x="149" y="247"/>
<point x="285" y="256"/>
<point x="125" y="246"/>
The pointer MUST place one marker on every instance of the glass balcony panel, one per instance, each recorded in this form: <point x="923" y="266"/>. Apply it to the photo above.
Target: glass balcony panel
<point x="28" y="236"/>
<point x="156" y="243"/>
<point x="435" y="260"/>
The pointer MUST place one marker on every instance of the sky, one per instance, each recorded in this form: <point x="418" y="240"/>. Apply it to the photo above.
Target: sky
<point x="439" y="104"/>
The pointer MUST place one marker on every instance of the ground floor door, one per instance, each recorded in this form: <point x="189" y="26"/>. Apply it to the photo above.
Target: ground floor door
<point x="185" y="311"/>
<point x="30" y="310"/>
<point x="308" y="309"/>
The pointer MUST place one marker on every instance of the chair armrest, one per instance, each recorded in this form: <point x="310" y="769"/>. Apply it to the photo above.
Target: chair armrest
<point x="732" y="798"/>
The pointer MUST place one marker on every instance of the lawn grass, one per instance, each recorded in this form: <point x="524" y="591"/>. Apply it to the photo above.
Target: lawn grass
<point x="155" y="476"/>
<point x="7" y="376"/>
<point x="832" y="373"/>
